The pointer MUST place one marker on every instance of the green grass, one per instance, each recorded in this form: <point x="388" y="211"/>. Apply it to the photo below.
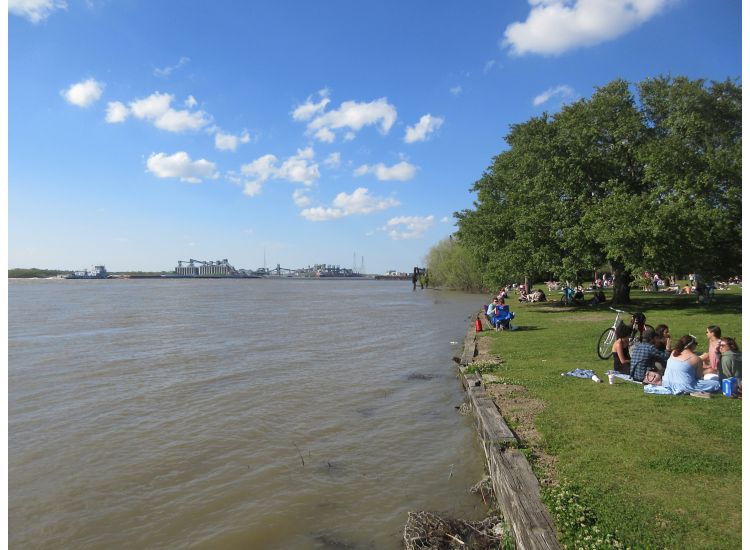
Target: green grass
<point x="643" y="470"/>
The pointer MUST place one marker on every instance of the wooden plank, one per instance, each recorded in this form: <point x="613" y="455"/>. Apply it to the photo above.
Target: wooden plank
<point x="518" y="495"/>
<point x="470" y="347"/>
<point x="492" y="426"/>
<point x="516" y="488"/>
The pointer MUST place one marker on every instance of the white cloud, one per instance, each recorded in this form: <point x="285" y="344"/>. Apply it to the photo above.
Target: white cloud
<point x="84" y="93"/>
<point x="408" y="227"/>
<point x="252" y="188"/>
<point x="456" y="90"/>
<point x="563" y="90"/>
<point x="166" y="71"/>
<point x="446" y="219"/>
<point x="333" y="160"/>
<point x="191" y="102"/>
<point x="116" y="112"/>
<point x="359" y="202"/>
<point x="556" y="26"/>
<point x="488" y="66"/>
<point x="401" y="171"/>
<point x="229" y="142"/>
<point x="309" y="109"/>
<point x="422" y="129"/>
<point x="353" y="116"/>
<point x="157" y="109"/>
<point x="299" y="168"/>
<point x="225" y="142"/>
<point x="300" y="198"/>
<point x="35" y="10"/>
<point x="322" y="214"/>
<point x="181" y="166"/>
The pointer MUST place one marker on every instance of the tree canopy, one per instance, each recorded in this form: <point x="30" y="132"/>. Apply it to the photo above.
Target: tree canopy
<point x="644" y="177"/>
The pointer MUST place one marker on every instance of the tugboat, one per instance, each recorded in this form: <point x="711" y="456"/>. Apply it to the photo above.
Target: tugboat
<point x="97" y="272"/>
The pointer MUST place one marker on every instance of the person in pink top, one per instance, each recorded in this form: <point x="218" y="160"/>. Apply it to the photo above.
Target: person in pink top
<point x="712" y="356"/>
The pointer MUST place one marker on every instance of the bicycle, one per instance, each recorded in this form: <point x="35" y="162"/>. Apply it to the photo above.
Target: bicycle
<point x="637" y="326"/>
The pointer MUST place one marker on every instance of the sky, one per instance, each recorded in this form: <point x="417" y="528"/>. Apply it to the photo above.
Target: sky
<point x="296" y="133"/>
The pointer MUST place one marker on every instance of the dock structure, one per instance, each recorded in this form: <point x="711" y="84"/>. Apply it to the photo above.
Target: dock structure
<point x="516" y="488"/>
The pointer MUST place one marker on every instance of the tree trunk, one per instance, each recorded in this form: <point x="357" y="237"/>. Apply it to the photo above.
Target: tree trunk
<point x="621" y="289"/>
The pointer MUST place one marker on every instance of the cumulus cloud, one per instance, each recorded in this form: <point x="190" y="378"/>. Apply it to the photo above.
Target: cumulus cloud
<point x="229" y="142"/>
<point x="116" y="112"/>
<point x="84" y="93"/>
<point x="35" y="10"/>
<point x="422" y="129"/>
<point x="300" y="198"/>
<point x="564" y="91"/>
<point x="408" y="227"/>
<point x="333" y="160"/>
<point x="166" y="71"/>
<point x="402" y="171"/>
<point x="252" y="188"/>
<point x="299" y="168"/>
<point x="181" y="166"/>
<point x="556" y="26"/>
<point x="359" y="202"/>
<point x="352" y="116"/>
<point x="157" y="108"/>
<point x="309" y="109"/>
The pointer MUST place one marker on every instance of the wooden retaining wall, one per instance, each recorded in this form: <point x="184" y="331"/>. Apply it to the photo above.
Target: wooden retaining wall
<point x="516" y="488"/>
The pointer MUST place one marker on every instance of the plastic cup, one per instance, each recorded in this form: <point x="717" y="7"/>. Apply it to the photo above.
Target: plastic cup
<point x="611" y="377"/>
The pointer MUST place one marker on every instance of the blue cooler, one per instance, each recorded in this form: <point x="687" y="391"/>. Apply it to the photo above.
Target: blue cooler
<point x="728" y="386"/>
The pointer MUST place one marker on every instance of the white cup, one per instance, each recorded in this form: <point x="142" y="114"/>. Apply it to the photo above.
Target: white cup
<point x="611" y="377"/>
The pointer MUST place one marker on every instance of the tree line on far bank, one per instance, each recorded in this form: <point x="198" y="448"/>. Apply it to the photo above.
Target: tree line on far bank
<point x="637" y="178"/>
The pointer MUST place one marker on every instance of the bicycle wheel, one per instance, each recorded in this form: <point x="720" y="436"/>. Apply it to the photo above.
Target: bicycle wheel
<point x="604" y="347"/>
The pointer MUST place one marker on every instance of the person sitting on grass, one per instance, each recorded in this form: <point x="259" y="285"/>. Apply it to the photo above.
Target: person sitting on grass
<point x="711" y="357"/>
<point x="663" y="343"/>
<point x="503" y="316"/>
<point x="730" y="363"/>
<point x="620" y="349"/>
<point x="492" y="312"/>
<point x="683" y="367"/>
<point x="644" y="355"/>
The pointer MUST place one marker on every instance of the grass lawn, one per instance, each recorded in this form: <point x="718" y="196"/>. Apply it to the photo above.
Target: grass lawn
<point x="652" y="471"/>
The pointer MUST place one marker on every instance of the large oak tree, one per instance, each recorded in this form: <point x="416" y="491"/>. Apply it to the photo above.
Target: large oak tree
<point x="646" y="182"/>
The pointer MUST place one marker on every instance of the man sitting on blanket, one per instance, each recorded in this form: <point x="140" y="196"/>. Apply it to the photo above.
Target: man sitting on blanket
<point x="644" y="355"/>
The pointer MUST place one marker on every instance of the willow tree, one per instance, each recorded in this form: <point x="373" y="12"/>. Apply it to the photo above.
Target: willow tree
<point x="639" y="185"/>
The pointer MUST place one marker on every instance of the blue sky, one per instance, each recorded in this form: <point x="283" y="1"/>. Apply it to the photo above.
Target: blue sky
<point x="142" y="133"/>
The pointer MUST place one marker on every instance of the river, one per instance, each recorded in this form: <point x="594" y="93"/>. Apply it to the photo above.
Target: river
<point x="234" y="413"/>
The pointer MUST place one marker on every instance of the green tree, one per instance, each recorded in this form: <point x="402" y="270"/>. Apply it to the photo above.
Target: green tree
<point x="654" y="185"/>
<point x="452" y="266"/>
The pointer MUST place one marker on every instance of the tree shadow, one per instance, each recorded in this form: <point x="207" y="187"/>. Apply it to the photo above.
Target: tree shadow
<point x="685" y="303"/>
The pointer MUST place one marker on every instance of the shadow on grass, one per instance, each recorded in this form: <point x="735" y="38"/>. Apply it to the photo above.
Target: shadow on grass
<point x="721" y="304"/>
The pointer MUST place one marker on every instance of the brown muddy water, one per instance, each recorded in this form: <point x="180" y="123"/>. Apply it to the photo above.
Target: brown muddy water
<point x="234" y="413"/>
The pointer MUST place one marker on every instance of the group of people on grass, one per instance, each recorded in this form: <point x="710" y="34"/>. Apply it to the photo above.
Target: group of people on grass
<point x="677" y="368"/>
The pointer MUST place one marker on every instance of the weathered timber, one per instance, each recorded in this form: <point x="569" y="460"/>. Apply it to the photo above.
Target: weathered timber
<point x="492" y="428"/>
<point x="470" y="347"/>
<point x="516" y="488"/>
<point x="517" y="491"/>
